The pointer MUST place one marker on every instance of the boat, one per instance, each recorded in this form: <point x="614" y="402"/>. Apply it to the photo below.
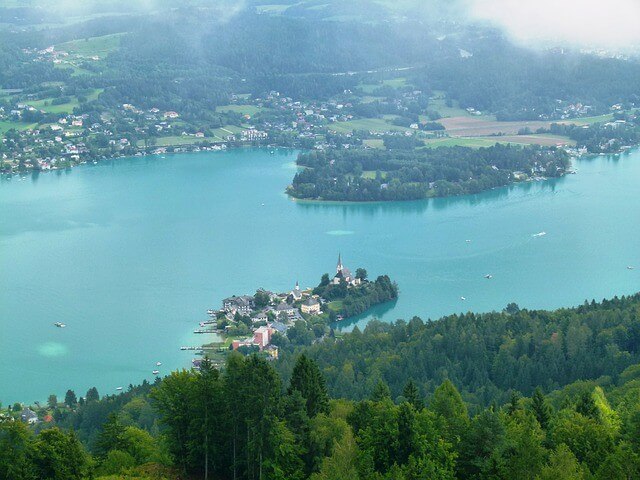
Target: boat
<point x="468" y="241"/>
<point x="211" y="312"/>
<point x="59" y="324"/>
<point x="630" y="267"/>
<point x="118" y="388"/>
<point x="462" y="298"/>
<point x="541" y="234"/>
<point x="156" y="372"/>
<point x="488" y="276"/>
<point x="158" y="364"/>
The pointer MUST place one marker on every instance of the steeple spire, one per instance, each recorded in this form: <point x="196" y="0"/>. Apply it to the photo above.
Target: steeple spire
<point x="339" y="267"/>
<point x="297" y="285"/>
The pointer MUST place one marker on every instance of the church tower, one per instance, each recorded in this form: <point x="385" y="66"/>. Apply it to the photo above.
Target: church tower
<point x="339" y="267"/>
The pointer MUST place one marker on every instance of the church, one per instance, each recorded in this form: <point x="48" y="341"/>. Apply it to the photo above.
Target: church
<point x="343" y="273"/>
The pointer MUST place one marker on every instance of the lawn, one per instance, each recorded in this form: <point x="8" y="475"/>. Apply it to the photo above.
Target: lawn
<point x="376" y="125"/>
<point x="93" y="46"/>
<point x="336" y="305"/>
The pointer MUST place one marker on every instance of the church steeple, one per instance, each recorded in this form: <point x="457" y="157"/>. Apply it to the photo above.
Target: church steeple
<point x="297" y="286"/>
<point x="339" y="267"/>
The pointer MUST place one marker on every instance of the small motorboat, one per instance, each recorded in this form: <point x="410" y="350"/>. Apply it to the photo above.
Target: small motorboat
<point x="59" y="324"/>
<point x="488" y="276"/>
<point x="463" y="298"/>
<point x="119" y="388"/>
<point x="541" y="234"/>
<point x="156" y="372"/>
<point x="468" y="241"/>
<point x="158" y="364"/>
<point x="630" y="267"/>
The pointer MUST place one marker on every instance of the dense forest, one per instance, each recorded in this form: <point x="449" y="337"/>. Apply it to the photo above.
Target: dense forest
<point x="437" y="400"/>
<point x="367" y="175"/>
<point x="486" y="355"/>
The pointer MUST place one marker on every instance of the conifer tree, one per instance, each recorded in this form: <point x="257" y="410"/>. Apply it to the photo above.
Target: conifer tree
<point x="540" y="408"/>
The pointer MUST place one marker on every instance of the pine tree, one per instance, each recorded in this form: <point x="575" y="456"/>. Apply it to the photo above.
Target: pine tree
<point x="92" y="395"/>
<point x="412" y="395"/>
<point x="540" y="408"/>
<point x="70" y="399"/>
<point x="380" y="392"/>
<point x="307" y="379"/>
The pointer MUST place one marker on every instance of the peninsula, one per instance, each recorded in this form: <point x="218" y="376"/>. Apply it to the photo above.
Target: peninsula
<point x="266" y="320"/>
<point x="374" y="175"/>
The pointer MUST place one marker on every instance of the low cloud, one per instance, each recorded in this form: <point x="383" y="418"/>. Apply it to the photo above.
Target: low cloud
<point x="611" y="24"/>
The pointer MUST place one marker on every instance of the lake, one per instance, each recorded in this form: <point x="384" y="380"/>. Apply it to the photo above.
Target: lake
<point x="130" y="253"/>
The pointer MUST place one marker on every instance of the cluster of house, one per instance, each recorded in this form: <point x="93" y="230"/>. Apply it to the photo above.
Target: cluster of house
<point x="282" y="310"/>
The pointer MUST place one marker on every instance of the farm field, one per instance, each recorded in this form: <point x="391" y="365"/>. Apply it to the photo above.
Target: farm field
<point x="462" y="142"/>
<point x="377" y="125"/>
<point x="478" y="127"/>
<point x="541" y="139"/>
<point x="93" y="46"/>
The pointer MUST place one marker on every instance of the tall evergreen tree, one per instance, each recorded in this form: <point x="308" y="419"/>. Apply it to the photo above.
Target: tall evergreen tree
<point x="412" y="395"/>
<point x="307" y="379"/>
<point x="380" y="392"/>
<point x="70" y="399"/>
<point x="541" y="408"/>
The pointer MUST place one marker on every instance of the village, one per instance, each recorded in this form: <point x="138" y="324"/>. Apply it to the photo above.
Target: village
<point x="250" y="323"/>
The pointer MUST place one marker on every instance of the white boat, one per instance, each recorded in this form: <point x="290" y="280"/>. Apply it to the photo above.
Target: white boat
<point x="488" y="276"/>
<point x="158" y="364"/>
<point x="541" y="234"/>
<point x="156" y="372"/>
<point x="59" y="324"/>
<point x="462" y="298"/>
<point x="118" y="388"/>
<point x="630" y="267"/>
<point x="468" y="241"/>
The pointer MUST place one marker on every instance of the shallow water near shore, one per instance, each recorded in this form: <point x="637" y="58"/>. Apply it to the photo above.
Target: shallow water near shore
<point x="130" y="253"/>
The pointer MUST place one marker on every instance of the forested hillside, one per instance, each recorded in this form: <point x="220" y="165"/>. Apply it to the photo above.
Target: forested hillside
<point x="487" y="355"/>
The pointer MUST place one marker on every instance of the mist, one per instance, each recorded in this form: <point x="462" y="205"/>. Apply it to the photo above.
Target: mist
<point x="586" y="24"/>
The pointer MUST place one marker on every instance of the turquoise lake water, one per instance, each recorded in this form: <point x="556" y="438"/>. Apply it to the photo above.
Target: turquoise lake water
<point x="130" y="254"/>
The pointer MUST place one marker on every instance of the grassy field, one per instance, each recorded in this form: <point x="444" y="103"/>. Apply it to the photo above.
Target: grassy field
<point x="376" y="125"/>
<point x="394" y="82"/>
<point x="541" y="139"/>
<point x="8" y="125"/>
<point x="93" y="46"/>
<point x="242" y="109"/>
<point x="372" y="174"/>
<point x="45" y="104"/>
<point x="374" y="143"/>
<point x="590" y="120"/>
